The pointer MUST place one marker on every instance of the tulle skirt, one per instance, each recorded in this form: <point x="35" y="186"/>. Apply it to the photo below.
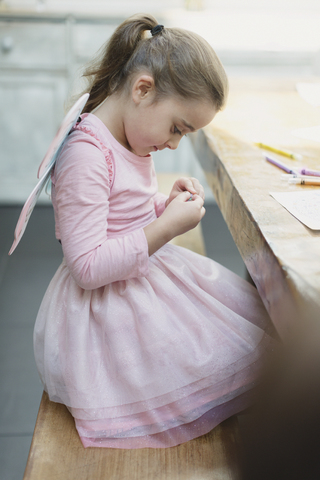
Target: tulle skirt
<point x="152" y="361"/>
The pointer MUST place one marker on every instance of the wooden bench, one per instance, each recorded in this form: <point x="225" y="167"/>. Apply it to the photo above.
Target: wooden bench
<point x="57" y="453"/>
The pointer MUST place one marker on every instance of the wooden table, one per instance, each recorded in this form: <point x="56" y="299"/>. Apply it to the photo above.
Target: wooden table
<point x="281" y="254"/>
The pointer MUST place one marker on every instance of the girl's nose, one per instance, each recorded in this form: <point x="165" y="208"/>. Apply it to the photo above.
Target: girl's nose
<point x="173" y="143"/>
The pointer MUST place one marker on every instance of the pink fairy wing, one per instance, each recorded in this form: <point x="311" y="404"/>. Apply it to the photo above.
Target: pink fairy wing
<point x="27" y="210"/>
<point x="45" y="168"/>
<point x="66" y="125"/>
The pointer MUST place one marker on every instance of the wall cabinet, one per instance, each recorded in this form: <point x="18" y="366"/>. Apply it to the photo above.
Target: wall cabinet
<point x="40" y="64"/>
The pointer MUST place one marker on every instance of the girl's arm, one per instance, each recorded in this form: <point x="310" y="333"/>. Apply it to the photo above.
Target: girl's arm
<point x="81" y="199"/>
<point x="160" y="203"/>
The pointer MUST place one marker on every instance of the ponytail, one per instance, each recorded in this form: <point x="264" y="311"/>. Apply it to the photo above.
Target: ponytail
<point x="107" y="74"/>
<point x="181" y="63"/>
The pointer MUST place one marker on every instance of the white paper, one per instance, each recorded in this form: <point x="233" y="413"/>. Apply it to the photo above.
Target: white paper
<point x="310" y="92"/>
<point x="305" y="206"/>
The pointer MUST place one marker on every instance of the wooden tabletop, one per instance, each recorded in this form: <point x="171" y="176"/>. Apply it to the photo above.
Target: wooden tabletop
<point x="281" y="254"/>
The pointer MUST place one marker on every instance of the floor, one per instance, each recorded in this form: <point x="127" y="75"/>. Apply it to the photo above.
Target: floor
<point x="24" y="277"/>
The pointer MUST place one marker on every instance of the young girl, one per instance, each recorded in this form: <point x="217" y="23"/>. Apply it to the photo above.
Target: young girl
<point x="146" y="343"/>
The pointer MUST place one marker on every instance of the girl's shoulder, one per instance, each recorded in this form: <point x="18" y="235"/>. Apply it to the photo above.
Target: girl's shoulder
<point x="90" y="129"/>
<point x="84" y="135"/>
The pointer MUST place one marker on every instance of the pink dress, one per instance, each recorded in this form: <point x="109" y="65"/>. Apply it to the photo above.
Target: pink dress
<point x="144" y="351"/>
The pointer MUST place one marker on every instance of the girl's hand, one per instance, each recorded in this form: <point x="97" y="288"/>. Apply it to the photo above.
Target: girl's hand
<point x="181" y="214"/>
<point x="183" y="184"/>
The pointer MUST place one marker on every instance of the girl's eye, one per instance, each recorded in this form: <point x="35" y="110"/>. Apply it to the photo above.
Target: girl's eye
<point x="176" y="130"/>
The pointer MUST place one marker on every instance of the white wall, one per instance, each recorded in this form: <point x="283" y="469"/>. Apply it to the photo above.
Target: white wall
<point x="154" y="5"/>
<point x="252" y="37"/>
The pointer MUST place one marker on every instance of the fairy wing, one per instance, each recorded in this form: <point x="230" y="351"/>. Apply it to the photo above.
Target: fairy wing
<point x="66" y="125"/>
<point x="28" y="208"/>
<point x="46" y="167"/>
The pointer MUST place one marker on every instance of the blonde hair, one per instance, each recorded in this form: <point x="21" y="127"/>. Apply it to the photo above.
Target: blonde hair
<point x="180" y="62"/>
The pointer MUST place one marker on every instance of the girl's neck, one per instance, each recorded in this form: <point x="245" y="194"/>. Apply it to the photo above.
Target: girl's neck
<point x="110" y="112"/>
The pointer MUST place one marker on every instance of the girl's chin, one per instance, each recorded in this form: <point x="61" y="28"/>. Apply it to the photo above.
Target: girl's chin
<point x="148" y="152"/>
<point x="145" y="152"/>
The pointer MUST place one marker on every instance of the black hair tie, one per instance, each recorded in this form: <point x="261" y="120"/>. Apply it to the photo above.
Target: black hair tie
<point x="157" y="29"/>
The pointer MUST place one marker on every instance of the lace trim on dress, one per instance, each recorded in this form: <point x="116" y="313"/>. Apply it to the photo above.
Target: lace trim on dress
<point x="107" y="153"/>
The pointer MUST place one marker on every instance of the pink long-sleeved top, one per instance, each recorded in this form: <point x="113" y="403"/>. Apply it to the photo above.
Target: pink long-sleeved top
<point x="103" y="196"/>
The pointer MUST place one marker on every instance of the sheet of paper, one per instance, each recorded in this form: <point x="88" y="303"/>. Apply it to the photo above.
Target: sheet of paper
<point x="310" y="92"/>
<point x="305" y="206"/>
<point x="309" y="133"/>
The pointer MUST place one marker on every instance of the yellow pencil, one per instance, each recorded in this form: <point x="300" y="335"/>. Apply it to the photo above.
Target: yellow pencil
<point x="294" y="156"/>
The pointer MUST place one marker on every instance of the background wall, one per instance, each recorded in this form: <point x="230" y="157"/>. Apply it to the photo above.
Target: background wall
<point x="44" y="44"/>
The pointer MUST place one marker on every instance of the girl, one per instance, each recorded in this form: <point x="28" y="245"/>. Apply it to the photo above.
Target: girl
<point x="147" y="344"/>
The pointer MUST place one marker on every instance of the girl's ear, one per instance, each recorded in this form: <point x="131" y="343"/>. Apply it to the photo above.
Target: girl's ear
<point x="143" y="88"/>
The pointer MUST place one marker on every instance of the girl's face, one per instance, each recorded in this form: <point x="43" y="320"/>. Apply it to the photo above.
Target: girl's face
<point x="150" y="126"/>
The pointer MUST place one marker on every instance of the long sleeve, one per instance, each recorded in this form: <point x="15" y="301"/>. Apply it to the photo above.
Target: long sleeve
<point x="160" y="203"/>
<point x="81" y="199"/>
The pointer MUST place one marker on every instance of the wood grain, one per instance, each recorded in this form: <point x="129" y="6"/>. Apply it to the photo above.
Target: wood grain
<point x="281" y="254"/>
<point x="57" y="453"/>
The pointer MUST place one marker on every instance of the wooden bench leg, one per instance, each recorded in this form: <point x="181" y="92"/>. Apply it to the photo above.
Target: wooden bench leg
<point x="57" y="453"/>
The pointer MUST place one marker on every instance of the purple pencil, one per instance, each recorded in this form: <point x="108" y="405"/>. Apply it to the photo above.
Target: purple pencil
<point x="307" y="171"/>
<point x="279" y="164"/>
